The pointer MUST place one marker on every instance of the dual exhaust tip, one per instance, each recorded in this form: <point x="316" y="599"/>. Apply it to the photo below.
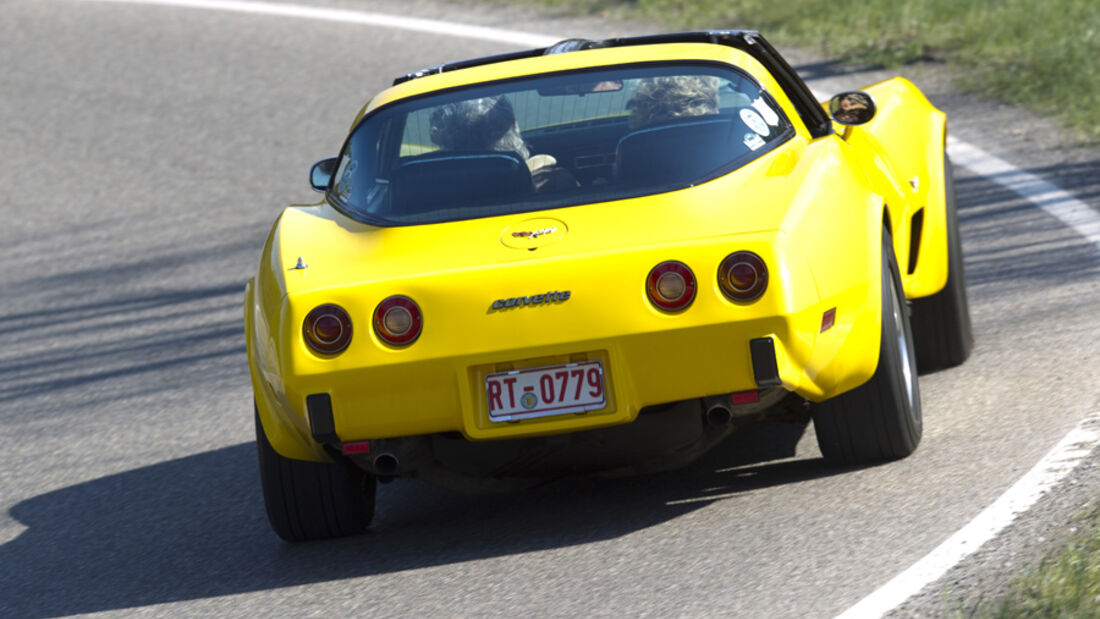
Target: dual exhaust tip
<point x="385" y="464"/>
<point x="718" y="409"/>
<point x="718" y="415"/>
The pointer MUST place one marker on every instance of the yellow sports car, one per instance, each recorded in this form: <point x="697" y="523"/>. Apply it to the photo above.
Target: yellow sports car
<point x="602" y="255"/>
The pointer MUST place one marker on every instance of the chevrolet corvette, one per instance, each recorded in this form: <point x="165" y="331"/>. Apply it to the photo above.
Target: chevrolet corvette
<point x="600" y="256"/>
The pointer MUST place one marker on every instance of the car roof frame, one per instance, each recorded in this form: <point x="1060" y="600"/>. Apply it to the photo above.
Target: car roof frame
<point x="813" y="115"/>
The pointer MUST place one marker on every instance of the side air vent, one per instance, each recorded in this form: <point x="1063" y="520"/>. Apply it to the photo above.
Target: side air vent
<point x="915" y="228"/>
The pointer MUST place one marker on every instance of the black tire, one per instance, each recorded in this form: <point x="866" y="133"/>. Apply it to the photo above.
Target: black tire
<point x="941" y="322"/>
<point x="312" y="500"/>
<point x="881" y="419"/>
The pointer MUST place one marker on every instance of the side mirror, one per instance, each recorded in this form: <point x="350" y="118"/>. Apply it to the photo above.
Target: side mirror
<point x="854" y="107"/>
<point x="320" y="175"/>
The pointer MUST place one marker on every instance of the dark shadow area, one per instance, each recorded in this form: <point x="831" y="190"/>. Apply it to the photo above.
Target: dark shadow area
<point x="26" y="323"/>
<point x="125" y="327"/>
<point x="1081" y="180"/>
<point x="196" y="528"/>
<point x="1007" y="239"/>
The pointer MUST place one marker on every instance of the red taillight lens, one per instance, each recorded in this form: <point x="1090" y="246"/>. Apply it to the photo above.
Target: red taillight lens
<point x="671" y="286"/>
<point x="327" y="329"/>
<point x="743" y="276"/>
<point x="398" y="321"/>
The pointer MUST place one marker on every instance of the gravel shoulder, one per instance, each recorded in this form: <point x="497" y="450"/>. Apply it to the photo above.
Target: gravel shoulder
<point x="976" y="586"/>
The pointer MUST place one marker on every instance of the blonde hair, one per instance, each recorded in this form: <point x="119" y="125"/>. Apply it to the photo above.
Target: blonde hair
<point x="673" y="96"/>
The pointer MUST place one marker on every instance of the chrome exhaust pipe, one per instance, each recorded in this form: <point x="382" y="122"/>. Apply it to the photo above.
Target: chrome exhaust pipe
<point x="385" y="464"/>
<point x="719" y="414"/>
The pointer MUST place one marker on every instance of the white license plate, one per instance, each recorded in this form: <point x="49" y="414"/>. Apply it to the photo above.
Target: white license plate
<point x="540" y="392"/>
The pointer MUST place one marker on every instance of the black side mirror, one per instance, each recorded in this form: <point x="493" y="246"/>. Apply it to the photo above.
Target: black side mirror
<point x="320" y="175"/>
<point x="854" y="107"/>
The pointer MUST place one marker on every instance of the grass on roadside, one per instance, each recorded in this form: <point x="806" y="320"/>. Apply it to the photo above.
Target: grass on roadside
<point x="1065" y="585"/>
<point x="1043" y="54"/>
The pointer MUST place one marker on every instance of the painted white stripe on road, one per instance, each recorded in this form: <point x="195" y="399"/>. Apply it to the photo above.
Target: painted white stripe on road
<point x="1065" y="456"/>
<point x="381" y="20"/>
<point x="1051" y="470"/>
<point x="1052" y="199"/>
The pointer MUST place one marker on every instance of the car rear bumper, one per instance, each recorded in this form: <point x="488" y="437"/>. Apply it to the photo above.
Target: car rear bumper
<point x="437" y="385"/>
<point x="448" y="395"/>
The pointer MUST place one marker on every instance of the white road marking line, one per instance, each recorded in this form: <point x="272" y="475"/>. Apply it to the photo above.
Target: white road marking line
<point x="1052" y="199"/>
<point x="1065" y="456"/>
<point x="430" y="26"/>
<point x="1052" y="469"/>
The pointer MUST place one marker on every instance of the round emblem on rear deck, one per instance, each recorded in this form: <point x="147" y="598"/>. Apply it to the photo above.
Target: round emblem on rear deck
<point x="534" y="233"/>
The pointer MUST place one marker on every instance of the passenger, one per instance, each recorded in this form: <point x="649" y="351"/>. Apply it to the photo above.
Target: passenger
<point x="659" y="99"/>
<point x="489" y="124"/>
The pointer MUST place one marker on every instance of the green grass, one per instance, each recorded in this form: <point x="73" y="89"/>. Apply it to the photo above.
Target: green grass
<point x="1043" y="54"/>
<point x="1065" y="586"/>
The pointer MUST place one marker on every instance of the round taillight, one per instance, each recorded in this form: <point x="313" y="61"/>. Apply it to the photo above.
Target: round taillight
<point x="397" y="320"/>
<point x="671" y="286"/>
<point x="327" y="329"/>
<point x="743" y="276"/>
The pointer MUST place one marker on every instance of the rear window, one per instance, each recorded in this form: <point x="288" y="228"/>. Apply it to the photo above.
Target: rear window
<point x="552" y="141"/>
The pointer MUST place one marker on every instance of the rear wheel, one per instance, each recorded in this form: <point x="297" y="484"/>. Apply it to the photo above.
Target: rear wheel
<point x="313" y="500"/>
<point x="941" y="322"/>
<point x="881" y="419"/>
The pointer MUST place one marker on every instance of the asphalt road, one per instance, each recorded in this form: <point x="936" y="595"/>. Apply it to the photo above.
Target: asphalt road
<point x="144" y="154"/>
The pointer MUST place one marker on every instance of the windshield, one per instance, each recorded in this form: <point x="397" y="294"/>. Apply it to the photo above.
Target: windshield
<point x="554" y="140"/>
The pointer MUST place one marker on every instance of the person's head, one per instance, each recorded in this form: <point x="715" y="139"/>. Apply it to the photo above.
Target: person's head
<point x="488" y="123"/>
<point x="673" y="96"/>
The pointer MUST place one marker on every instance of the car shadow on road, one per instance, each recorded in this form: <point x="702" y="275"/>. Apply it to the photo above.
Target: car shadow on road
<point x="195" y="527"/>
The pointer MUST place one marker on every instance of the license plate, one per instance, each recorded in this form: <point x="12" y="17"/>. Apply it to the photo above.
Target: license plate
<point x="541" y="392"/>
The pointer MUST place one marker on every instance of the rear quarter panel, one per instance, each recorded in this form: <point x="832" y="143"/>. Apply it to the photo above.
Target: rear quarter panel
<point x="901" y="150"/>
<point x="835" y="222"/>
<point x="282" y="418"/>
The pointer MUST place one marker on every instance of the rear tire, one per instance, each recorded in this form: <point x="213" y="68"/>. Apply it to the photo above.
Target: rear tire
<point x="941" y="322"/>
<point x="313" y="500"/>
<point x="881" y="419"/>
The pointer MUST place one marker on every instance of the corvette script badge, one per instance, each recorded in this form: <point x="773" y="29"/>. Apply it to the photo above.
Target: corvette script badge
<point x="535" y="299"/>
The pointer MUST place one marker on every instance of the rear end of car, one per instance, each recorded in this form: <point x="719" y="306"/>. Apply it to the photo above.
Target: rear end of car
<point x="610" y="314"/>
<point x="556" y="255"/>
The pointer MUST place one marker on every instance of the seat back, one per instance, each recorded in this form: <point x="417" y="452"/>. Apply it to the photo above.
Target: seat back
<point x="678" y="151"/>
<point x="444" y="180"/>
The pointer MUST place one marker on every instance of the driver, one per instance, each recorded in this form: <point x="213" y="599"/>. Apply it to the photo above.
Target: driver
<point x="668" y="97"/>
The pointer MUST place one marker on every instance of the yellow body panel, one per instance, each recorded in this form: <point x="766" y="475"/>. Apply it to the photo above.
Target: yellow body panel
<point x="810" y="209"/>
<point x="902" y="151"/>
